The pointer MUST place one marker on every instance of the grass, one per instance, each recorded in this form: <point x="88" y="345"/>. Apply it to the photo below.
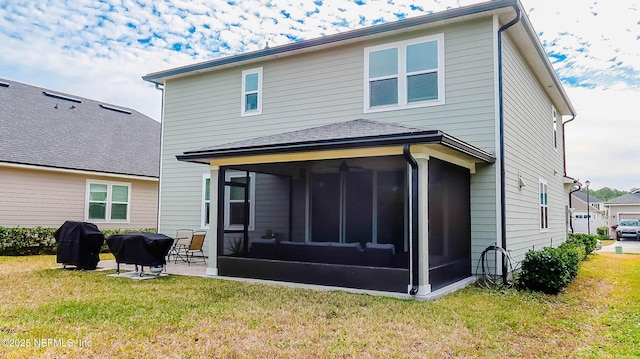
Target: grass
<point x="86" y="314"/>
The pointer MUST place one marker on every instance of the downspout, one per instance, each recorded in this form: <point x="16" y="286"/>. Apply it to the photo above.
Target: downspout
<point x="414" y="216"/>
<point x="570" y="193"/>
<point x="161" y="88"/>
<point x="503" y="206"/>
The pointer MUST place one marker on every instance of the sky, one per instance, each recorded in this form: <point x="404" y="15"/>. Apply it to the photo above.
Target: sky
<point x="101" y="49"/>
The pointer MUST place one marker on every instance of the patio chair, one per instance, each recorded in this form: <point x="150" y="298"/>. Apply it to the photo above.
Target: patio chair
<point x="181" y="241"/>
<point x="197" y="241"/>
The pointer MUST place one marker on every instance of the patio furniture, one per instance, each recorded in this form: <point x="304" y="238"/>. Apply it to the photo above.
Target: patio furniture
<point x="187" y="253"/>
<point x="181" y="241"/>
<point x="79" y="244"/>
<point x="140" y="248"/>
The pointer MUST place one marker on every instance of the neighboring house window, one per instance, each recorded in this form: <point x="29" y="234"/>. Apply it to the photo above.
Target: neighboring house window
<point x="544" y="206"/>
<point x="108" y="201"/>
<point x="405" y="74"/>
<point x="555" y="128"/>
<point x="206" y="200"/>
<point x="233" y="200"/>
<point x="251" y="92"/>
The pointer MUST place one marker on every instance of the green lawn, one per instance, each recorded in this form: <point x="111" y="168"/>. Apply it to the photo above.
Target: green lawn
<point x="76" y="314"/>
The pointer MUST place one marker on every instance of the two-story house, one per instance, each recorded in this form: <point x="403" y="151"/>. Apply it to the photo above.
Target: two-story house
<point x="385" y="158"/>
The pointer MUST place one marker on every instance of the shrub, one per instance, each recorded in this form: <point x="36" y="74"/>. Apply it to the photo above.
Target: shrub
<point x="546" y="270"/>
<point x="20" y="241"/>
<point x="589" y="240"/>
<point x="603" y="231"/>
<point x="27" y="241"/>
<point x="574" y="253"/>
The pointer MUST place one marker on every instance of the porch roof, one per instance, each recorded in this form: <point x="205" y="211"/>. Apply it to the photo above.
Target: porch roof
<point x="345" y="137"/>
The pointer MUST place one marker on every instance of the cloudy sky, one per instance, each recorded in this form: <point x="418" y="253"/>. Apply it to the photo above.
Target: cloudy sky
<point x="100" y="50"/>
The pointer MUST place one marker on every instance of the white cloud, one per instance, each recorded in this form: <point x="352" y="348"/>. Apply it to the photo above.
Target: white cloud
<point x="101" y="49"/>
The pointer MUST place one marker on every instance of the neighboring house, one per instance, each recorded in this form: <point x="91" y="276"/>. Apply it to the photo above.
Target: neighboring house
<point x="374" y="155"/>
<point x="64" y="157"/>
<point x="587" y="221"/>
<point x="626" y="206"/>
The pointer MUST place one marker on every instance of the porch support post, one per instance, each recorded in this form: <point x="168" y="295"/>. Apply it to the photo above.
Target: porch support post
<point x="424" y="287"/>
<point x="212" y="266"/>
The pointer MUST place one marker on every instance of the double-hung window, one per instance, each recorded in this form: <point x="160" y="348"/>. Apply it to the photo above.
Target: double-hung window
<point x="544" y="206"/>
<point x="405" y="74"/>
<point x="251" y="92"/>
<point x="108" y="201"/>
<point x="233" y="200"/>
<point x="206" y="200"/>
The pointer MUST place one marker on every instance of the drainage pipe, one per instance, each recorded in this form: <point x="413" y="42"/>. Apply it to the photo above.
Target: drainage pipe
<point x="570" y="193"/>
<point x="501" y="134"/>
<point x="414" y="219"/>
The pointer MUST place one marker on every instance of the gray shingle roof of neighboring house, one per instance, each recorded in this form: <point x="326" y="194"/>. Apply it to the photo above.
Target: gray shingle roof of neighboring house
<point x="46" y="128"/>
<point x="583" y="197"/>
<point x="629" y="198"/>
<point x="339" y="135"/>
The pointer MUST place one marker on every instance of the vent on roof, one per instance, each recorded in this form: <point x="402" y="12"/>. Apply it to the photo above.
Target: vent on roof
<point x="62" y="97"/>
<point x="4" y="84"/>
<point x="116" y="109"/>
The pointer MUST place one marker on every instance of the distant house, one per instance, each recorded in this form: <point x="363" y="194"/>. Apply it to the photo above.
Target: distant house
<point x="385" y="158"/>
<point x="64" y="157"/>
<point x="584" y="221"/>
<point x="626" y="206"/>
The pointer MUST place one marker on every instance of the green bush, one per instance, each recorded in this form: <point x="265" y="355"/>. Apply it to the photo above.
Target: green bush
<point x="547" y="270"/>
<point x="574" y="253"/>
<point x="603" y="231"/>
<point x="27" y="241"/>
<point x="588" y="240"/>
<point x="20" y="241"/>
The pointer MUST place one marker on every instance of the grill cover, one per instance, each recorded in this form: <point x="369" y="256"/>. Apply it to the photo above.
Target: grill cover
<point x="141" y="248"/>
<point x="79" y="244"/>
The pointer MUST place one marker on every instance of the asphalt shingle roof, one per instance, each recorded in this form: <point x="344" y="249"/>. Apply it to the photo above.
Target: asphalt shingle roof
<point x="583" y="197"/>
<point x="47" y="128"/>
<point x="340" y="135"/>
<point x="340" y="130"/>
<point x="629" y="198"/>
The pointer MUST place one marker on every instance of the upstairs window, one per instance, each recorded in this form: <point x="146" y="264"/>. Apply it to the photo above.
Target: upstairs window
<point x="108" y="201"/>
<point x="405" y="74"/>
<point x="251" y="92"/>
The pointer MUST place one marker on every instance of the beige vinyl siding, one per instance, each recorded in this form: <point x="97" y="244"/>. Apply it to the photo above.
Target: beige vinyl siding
<point x="529" y="153"/>
<point x="323" y="87"/>
<point x="30" y="198"/>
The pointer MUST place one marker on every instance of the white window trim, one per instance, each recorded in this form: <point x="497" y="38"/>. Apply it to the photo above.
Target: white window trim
<point x="554" y="139"/>
<point x="258" y="110"/>
<point x="540" y="205"/>
<point x="109" y="185"/>
<point x="252" y="196"/>
<point x="402" y="75"/>
<point x="203" y="211"/>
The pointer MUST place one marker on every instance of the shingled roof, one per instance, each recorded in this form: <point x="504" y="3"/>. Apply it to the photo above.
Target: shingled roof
<point x="357" y="133"/>
<point x="583" y="197"/>
<point x="43" y="127"/>
<point x="629" y="198"/>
